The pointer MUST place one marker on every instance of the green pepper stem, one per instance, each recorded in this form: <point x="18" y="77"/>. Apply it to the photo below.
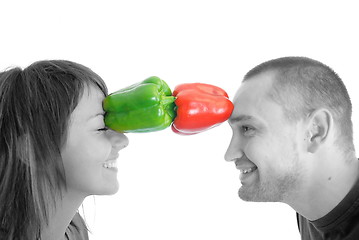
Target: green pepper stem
<point x="167" y="99"/>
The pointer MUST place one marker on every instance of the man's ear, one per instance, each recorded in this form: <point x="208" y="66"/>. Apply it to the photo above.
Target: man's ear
<point x="319" y="125"/>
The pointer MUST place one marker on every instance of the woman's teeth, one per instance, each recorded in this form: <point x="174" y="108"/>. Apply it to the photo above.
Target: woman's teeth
<point x="110" y="165"/>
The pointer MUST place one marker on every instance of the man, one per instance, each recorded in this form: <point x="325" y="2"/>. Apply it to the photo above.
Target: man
<point x="293" y="143"/>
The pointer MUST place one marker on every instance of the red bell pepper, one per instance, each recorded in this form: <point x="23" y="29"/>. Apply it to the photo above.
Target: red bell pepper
<point x="200" y="107"/>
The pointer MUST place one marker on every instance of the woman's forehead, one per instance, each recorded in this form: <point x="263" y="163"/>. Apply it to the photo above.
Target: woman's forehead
<point x="89" y="105"/>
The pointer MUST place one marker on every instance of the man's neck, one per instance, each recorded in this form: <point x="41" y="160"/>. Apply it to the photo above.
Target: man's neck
<point x="326" y="188"/>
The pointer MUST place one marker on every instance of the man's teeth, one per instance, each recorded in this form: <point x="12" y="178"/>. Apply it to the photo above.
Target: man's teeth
<point x="249" y="170"/>
<point x="110" y="165"/>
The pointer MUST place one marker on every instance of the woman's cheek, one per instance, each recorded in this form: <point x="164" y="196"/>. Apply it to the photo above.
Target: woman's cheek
<point x="100" y="147"/>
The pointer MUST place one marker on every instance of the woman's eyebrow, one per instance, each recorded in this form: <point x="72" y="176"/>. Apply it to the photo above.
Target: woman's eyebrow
<point x="102" y="113"/>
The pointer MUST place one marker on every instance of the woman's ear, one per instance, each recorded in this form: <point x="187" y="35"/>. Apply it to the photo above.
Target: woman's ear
<point x="319" y="125"/>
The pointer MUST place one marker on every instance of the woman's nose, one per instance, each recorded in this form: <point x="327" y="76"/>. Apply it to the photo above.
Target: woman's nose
<point x="118" y="140"/>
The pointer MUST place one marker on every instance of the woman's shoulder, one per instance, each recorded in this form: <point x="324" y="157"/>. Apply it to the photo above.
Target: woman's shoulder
<point x="77" y="229"/>
<point x="2" y="233"/>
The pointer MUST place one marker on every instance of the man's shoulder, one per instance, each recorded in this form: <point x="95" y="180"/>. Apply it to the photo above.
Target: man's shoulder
<point x="307" y="229"/>
<point x="347" y="227"/>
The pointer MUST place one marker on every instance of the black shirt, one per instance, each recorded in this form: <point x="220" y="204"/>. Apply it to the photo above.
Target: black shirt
<point x="340" y="223"/>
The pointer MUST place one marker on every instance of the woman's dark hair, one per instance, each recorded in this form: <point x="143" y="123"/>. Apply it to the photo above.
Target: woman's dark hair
<point x="35" y="108"/>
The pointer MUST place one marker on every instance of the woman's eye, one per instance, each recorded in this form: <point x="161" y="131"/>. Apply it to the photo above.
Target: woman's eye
<point x="102" y="129"/>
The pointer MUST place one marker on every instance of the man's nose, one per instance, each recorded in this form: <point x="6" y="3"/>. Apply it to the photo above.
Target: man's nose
<point x="118" y="140"/>
<point x="234" y="150"/>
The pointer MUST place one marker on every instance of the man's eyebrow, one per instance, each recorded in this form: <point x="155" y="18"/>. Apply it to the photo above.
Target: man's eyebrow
<point x="241" y="118"/>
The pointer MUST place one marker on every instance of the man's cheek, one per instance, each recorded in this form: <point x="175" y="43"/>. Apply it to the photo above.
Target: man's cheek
<point x="253" y="152"/>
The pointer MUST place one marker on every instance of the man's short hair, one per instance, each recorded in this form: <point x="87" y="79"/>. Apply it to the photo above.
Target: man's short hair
<point x="302" y="85"/>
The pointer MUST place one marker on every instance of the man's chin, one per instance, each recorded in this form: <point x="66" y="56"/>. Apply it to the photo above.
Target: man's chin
<point x="257" y="196"/>
<point x="246" y="195"/>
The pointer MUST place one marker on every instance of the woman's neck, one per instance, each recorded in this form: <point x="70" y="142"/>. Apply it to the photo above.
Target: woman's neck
<point x="61" y="215"/>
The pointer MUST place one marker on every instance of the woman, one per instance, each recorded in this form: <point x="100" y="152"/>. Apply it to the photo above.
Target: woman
<point x="54" y="149"/>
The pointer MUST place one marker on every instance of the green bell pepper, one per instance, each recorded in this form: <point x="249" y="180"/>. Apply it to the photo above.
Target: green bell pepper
<point x="143" y="107"/>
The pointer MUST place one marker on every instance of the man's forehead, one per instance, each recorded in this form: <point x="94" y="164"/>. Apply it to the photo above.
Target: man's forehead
<point x="258" y="84"/>
<point x="252" y="102"/>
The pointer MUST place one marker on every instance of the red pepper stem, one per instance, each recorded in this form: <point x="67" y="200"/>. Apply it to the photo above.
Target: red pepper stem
<point x="167" y="99"/>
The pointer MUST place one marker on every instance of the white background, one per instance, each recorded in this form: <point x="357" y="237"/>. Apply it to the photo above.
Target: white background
<point x="175" y="187"/>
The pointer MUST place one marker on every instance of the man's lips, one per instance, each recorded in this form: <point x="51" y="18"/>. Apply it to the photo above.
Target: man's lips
<point x="247" y="170"/>
<point x="245" y="167"/>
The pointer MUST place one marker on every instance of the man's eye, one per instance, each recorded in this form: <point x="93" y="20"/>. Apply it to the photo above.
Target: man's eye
<point x="246" y="128"/>
<point x="248" y="131"/>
